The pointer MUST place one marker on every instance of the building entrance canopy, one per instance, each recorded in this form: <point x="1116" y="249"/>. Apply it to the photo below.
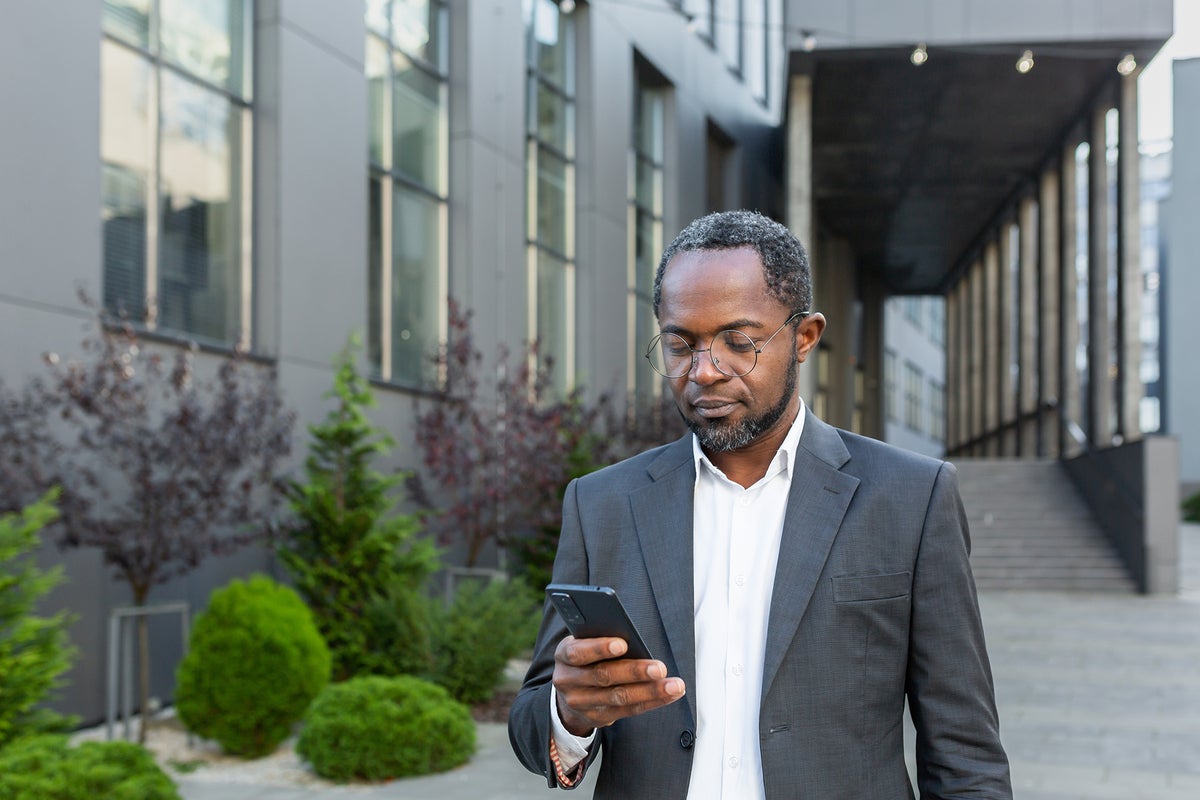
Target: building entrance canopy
<point x="911" y="164"/>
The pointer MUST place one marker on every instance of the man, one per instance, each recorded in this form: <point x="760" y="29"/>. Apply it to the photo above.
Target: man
<point x="795" y="583"/>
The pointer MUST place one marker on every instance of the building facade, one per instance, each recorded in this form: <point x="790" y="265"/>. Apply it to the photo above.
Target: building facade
<point x="276" y="176"/>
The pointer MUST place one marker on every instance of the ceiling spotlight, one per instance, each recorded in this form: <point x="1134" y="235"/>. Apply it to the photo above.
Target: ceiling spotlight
<point x="566" y="6"/>
<point x="919" y="55"/>
<point x="809" y="41"/>
<point x="1025" y="62"/>
<point x="1127" y="65"/>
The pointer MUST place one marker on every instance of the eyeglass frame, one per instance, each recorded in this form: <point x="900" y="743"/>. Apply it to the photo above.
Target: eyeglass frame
<point x="654" y="342"/>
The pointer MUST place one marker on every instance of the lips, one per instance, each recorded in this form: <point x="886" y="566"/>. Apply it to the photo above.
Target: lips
<point x="714" y="408"/>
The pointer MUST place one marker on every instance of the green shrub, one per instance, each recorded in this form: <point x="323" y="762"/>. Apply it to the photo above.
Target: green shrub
<point x="378" y="728"/>
<point x="347" y="549"/>
<point x="48" y="768"/>
<point x="479" y="633"/>
<point x="34" y="651"/>
<point x="399" y="623"/>
<point x="255" y="662"/>
<point x="1191" y="508"/>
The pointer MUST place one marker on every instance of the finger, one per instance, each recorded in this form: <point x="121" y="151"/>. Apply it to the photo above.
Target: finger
<point x="580" y="652"/>
<point x="600" y="707"/>
<point x="613" y="672"/>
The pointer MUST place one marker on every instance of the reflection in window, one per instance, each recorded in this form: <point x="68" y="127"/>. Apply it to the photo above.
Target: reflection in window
<point x="645" y="225"/>
<point x="407" y="144"/>
<point x="550" y="166"/>
<point x="174" y="141"/>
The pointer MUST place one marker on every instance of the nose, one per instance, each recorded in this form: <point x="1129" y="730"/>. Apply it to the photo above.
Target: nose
<point x="704" y="370"/>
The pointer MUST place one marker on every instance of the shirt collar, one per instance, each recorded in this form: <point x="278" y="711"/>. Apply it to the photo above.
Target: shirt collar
<point x="785" y="456"/>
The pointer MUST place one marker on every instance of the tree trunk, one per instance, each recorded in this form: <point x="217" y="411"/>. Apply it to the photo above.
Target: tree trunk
<point x="143" y="676"/>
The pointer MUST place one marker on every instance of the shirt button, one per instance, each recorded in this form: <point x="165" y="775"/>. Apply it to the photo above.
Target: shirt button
<point x="733" y="762"/>
<point x="737" y="670"/>
<point x="743" y="502"/>
<point x="740" y="580"/>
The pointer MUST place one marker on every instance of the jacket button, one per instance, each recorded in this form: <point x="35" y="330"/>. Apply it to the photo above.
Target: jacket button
<point x="687" y="739"/>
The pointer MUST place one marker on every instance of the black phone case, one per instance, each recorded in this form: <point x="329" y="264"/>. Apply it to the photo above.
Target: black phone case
<point x="591" y="611"/>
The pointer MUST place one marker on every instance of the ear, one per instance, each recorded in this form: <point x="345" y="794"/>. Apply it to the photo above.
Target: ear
<point x="808" y="333"/>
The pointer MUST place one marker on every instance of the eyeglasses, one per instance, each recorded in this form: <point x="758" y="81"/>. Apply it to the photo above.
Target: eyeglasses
<point x="733" y="353"/>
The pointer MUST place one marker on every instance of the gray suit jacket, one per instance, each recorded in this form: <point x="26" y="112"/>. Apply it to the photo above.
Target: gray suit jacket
<point x="873" y="601"/>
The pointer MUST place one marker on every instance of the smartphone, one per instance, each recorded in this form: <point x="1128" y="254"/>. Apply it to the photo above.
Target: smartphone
<point x="592" y="611"/>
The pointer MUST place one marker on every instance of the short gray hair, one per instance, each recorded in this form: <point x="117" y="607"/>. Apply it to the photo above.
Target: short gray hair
<point x="784" y="259"/>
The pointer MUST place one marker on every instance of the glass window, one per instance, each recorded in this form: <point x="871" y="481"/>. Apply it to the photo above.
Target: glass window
<point x="890" y="403"/>
<point x="205" y="38"/>
<point x="646" y="217"/>
<point x="199" y="211"/>
<point x="175" y="133"/>
<point x="912" y="396"/>
<point x="701" y="17"/>
<point x="550" y="166"/>
<point x="756" y="37"/>
<point x="937" y="411"/>
<point x="407" y="144"/>
<point x="937" y="320"/>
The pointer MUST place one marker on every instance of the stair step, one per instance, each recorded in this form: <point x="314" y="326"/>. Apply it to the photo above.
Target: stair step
<point x="1030" y="529"/>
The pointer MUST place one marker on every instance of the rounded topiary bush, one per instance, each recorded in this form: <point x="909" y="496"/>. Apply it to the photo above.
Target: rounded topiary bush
<point x="377" y="728"/>
<point x="48" y="768"/>
<point x="255" y="661"/>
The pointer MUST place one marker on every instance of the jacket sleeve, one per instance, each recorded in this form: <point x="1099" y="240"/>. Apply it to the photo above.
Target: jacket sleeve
<point x="529" y="720"/>
<point x="949" y="683"/>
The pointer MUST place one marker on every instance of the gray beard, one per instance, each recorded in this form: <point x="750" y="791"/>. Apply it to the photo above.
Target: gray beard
<point x="719" y="436"/>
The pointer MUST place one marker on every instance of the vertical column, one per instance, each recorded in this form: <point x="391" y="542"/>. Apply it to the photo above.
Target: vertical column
<point x="1028" y="329"/>
<point x="1049" y="392"/>
<point x="961" y="390"/>
<point x="978" y="321"/>
<point x="1099" y="397"/>
<point x="953" y="349"/>
<point x="1070" y="403"/>
<point x="1006" y="396"/>
<point x="1129" y="263"/>
<point x="990" y="346"/>
<point x="800" y="195"/>
<point x="872" y="359"/>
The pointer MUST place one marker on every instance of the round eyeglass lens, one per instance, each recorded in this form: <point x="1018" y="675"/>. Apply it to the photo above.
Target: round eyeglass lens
<point x="670" y="355"/>
<point x="732" y="352"/>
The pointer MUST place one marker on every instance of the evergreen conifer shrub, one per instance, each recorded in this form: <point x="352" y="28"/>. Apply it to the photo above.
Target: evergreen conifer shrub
<point x="376" y="728"/>
<point x="46" y="767"/>
<point x="356" y="561"/>
<point x="34" y="650"/>
<point x="255" y="662"/>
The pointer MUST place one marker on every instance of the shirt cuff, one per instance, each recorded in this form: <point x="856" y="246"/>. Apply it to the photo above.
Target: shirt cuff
<point x="571" y="748"/>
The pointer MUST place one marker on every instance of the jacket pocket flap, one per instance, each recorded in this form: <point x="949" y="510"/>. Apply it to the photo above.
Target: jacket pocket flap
<point x="856" y="588"/>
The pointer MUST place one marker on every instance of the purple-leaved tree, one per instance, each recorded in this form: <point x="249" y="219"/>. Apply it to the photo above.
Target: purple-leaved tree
<point x="158" y="468"/>
<point x="497" y="444"/>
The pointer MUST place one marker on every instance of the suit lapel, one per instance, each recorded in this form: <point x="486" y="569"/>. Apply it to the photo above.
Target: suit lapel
<point x="817" y="502"/>
<point x="662" y="515"/>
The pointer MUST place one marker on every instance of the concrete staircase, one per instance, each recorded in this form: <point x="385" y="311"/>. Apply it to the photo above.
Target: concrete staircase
<point x="1031" y="530"/>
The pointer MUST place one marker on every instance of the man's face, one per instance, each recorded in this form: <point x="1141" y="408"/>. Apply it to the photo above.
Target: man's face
<point x="703" y="293"/>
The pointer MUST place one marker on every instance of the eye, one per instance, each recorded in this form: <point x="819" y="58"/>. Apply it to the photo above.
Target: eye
<point x="674" y="346"/>
<point x="737" y="342"/>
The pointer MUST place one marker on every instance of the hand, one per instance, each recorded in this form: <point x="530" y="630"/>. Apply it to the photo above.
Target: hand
<point x="596" y="687"/>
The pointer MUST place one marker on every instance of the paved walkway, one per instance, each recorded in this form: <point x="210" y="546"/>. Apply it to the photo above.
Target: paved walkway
<point x="1099" y="700"/>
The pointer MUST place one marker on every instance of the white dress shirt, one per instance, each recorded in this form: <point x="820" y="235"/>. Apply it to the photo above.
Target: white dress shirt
<point x="736" y="534"/>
